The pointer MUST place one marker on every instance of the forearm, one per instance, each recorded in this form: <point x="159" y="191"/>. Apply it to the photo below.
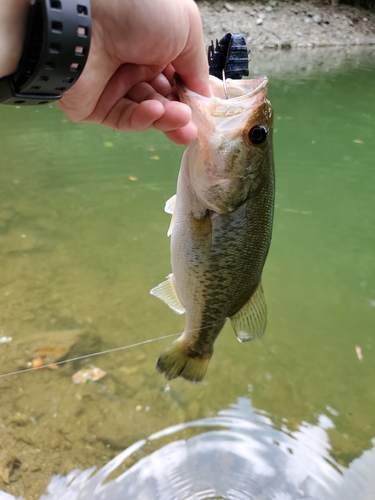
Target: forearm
<point x="13" y="16"/>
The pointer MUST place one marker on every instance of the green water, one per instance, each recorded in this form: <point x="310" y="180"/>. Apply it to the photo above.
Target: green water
<point x="83" y="240"/>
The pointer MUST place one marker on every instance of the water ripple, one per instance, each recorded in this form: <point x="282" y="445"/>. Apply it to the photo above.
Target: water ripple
<point x="237" y="455"/>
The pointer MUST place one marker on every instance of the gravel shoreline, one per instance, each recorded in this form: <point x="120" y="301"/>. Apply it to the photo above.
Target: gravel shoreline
<point x="274" y="25"/>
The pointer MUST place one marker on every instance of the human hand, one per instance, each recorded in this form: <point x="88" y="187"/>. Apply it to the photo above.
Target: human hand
<point x="136" y="47"/>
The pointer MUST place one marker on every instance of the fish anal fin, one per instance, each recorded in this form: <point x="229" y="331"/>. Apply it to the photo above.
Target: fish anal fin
<point x="250" y="321"/>
<point x="167" y="293"/>
<point x="178" y="361"/>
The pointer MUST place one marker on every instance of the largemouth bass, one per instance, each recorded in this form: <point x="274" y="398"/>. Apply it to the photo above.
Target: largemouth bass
<point x="221" y="224"/>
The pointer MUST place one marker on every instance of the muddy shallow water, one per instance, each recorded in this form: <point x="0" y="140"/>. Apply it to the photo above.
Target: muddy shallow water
<point x="83" y="240"/>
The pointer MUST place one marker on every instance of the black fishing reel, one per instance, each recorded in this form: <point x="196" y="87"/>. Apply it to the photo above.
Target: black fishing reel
<point x="229" y="57"/>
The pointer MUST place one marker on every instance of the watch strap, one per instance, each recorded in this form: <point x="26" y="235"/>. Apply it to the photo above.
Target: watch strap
<point x="54" y="54"/>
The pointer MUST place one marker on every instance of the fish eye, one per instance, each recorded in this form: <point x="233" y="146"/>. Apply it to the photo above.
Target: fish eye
<point x="258" y="134"/>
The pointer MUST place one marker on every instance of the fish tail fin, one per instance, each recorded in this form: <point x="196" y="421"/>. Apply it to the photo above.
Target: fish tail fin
<point x="178" y="361"/>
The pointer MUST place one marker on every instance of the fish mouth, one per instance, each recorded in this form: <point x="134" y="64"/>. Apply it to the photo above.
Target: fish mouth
<point x="230" y="104"/>
<point x="238" y="90"/>
<point x="227" y="91"/>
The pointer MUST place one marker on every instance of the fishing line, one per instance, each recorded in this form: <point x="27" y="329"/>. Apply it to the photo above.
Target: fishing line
<point x="85" y="356"/>
<point x="225" y="85"/>
<point x="107" y="351"/>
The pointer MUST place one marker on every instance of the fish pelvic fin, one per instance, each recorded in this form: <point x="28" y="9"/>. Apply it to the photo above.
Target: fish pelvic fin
<point x="178" y="361"/>
<point x="250" y="321"/>
<point x="166" y="292"/>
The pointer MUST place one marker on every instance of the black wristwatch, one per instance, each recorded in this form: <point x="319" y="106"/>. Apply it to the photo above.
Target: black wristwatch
<point x="54" y="53"/>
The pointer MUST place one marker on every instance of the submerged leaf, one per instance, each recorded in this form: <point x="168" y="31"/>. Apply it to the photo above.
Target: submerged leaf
<point x="358" y="352"/>
<point x="91" y="374"/>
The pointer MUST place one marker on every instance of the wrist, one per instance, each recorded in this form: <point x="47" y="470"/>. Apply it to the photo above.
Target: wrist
<point x="54" y="51"/>
<point x="13" y="17"/>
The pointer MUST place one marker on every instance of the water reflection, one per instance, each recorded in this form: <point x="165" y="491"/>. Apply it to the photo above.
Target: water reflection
<point x="236" y="455"/>
<point x="302" y="65"/>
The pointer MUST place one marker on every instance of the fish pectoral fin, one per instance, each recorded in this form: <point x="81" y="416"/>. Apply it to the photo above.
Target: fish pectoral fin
<point x="250" y="321"/>
<point x="169" y="208"/>
<point x="170" y="205"/>
<point x="166" y="291"/>
<point x="170" y="229"/>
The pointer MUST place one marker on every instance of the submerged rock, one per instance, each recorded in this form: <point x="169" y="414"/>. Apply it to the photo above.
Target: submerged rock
<point x="17" y="241"/>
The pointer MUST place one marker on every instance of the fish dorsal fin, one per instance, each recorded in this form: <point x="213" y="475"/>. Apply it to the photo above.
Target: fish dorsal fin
<point x="169" y="208"/>
<point x="250" y="321"/>
<point x="167" y="293"/>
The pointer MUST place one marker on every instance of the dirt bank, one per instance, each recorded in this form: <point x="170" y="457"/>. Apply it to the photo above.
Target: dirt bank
<point x="285" y="25"/>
